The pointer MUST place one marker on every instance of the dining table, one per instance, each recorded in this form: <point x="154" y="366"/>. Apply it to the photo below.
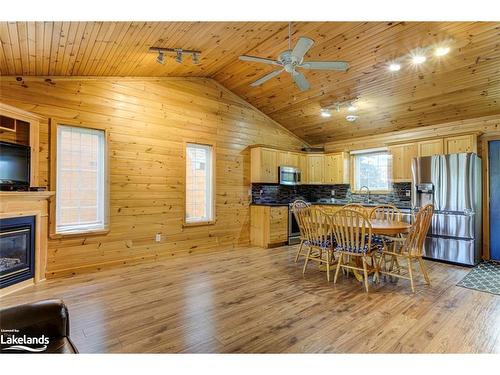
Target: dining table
<point x="391" y="228"/>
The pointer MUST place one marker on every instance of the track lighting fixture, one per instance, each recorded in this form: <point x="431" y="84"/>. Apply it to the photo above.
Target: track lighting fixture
<point x="179" y="52"/>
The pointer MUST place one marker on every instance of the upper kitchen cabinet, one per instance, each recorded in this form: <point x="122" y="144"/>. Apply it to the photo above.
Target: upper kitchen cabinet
<point x="461" y="143"/>
<point x="264" y="165"/>
<point x="336" y="168"/>
<point x="401" y="161"/>
<point x="303" y="166"/>
<point x="289" y="159"/>
<point x="431" y="147"/>
<point x="315" y="168"/>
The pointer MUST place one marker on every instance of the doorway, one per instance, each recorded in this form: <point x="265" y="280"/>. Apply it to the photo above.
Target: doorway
<point x="494" y="201"/>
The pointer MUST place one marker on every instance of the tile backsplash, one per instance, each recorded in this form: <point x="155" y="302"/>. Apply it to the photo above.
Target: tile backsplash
<point x="282" y="194"/>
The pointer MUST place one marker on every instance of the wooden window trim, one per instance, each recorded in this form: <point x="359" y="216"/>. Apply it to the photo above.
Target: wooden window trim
<point x="186" y="224"/>
<point x="53" y="180"/>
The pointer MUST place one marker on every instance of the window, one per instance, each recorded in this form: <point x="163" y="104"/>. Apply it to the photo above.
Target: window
<point x="372" y="169"/>
<point x="199" y="184"/>
<point x="80" y="179"/>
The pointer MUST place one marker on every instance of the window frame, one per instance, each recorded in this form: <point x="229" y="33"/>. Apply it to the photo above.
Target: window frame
<point x="213" y="220"/>
<point x="353" y="181"/>
<point x="54" y="123"/>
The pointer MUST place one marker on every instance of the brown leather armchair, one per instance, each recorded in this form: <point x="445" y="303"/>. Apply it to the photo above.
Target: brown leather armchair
<point x="49" y="318"/>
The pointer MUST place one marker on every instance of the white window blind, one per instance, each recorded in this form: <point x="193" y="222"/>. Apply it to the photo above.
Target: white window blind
<point x="199" y="183"/>
<point x="372" y="169"/>
<point x="80" y="171"/>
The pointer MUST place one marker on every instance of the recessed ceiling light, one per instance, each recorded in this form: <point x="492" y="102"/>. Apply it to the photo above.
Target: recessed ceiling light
<point x="394" y="67"/>
<point x="441" y="51"/>
<point x="351" y="118"/>
<point x="418" y="59"/>
<point x="351" y="108"/>
<point x="326" y="113"/>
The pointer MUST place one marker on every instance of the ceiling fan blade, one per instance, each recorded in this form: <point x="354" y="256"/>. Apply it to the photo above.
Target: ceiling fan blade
<point x="259" y="60"/>
<point x="301" y="81"/>
<point x="265" y="78"/>
<point x="301" y="48"/>
<point x="325" y="65"/>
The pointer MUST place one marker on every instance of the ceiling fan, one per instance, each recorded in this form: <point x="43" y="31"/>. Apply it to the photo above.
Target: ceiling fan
<point x="290" y="60"/>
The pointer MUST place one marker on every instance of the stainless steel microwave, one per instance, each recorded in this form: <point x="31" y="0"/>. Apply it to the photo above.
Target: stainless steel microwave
<point x="289" y="175"/>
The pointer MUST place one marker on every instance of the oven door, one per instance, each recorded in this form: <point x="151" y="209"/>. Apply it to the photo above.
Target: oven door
<point x="293" y="228"/>
<point x="289" y="176"/>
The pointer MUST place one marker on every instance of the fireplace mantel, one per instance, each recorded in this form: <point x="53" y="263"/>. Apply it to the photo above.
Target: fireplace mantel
<point x="29" y="203"/>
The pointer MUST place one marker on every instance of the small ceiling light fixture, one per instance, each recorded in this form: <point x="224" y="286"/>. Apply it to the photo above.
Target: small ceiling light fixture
<point x="418" y="59"/>
<point x="394" y="67"/>
<point x="325" y="112"/>
<point x="441" y="51"/>
<point x="351" y="118"/>
<point x="178" y="57"/>
<point x="196" y="58"/>
<point x="351" y="108"/>
<point x="161" y="58"/>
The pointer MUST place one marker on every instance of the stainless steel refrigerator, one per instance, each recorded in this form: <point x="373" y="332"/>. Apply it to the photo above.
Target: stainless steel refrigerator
<point x="453" y="184"/>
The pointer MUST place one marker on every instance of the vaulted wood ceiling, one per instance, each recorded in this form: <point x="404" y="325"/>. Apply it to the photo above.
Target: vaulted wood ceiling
<point x="463" y="84"/>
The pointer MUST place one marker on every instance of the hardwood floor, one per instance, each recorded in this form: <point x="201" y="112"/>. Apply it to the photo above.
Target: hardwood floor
<point x="254" y="300"/>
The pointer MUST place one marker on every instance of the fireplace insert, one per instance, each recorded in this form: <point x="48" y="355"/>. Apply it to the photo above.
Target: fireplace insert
<point x="17" y="250"/>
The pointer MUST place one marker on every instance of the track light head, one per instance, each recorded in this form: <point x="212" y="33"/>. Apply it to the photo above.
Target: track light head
<point x="196" y="58"/>
<point x="161" y="58"/>
<point x="178" y="57"/>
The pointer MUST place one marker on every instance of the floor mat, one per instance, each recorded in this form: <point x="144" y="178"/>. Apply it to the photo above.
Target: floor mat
<point x="485" y="277"/>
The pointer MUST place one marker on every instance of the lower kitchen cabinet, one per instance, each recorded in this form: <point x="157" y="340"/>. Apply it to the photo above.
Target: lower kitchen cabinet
<point x="268" y="225"/>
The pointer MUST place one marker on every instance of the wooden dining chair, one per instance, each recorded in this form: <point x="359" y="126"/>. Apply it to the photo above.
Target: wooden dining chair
<point x="356" y="207"/>
<point x="353" y="234"/>
<point x="297" y="206"/>
<point x="319" y="239"/>
<point x="410" y="248"/>
<point x="385" y="212"/>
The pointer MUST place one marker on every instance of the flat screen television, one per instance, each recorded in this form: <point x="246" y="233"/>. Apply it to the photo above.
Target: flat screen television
<point x="14" y="166"/>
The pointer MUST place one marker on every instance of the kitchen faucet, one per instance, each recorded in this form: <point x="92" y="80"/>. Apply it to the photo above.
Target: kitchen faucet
<point x="367" y="189"/>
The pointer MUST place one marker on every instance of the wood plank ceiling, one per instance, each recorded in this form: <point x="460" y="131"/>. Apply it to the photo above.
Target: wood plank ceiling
<point x="463" y="84"/>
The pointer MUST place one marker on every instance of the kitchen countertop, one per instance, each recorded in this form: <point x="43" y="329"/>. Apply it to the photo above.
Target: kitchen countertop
<point x="337" y="202"/>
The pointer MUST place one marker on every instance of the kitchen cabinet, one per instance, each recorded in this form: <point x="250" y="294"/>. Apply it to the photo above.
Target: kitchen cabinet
<point x="402" y="156"/>
<point x="289" y="159"/>
<point x="315" y="168"/>
<point x="304" y="175"/>
<point x="431" y="147"/>
<point x="336" y="168"/>
<point x="461" y="143"/>
<point x="264" y="165"/>
<point x="268" y="225"/>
